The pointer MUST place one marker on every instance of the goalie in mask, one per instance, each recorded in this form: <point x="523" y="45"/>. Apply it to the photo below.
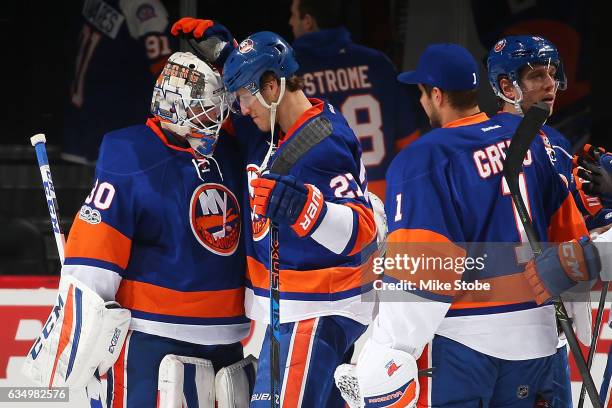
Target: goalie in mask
<point x="152" y="287"/>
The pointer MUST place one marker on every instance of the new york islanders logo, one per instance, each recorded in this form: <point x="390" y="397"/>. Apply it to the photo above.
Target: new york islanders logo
<point x="259" y="224"/>
<point x="246" y="46"/>
<point x="215" y="218"/>
<point x="500" y="45"/>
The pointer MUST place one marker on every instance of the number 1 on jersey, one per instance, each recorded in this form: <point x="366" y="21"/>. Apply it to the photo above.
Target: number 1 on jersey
<point x="398" y="209"/>
<point x="524" y="252"/>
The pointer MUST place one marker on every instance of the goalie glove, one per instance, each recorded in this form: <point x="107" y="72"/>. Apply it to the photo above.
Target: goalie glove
<point x="382" y="377"/>
<point x="211" y="41"/>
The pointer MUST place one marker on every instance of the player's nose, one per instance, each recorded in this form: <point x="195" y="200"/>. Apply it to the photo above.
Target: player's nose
<point x="550" y="81"/>
<point x="245" y="109"/>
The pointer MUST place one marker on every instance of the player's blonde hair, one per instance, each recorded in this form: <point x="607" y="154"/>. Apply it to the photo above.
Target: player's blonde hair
<point x="293" y="83"/>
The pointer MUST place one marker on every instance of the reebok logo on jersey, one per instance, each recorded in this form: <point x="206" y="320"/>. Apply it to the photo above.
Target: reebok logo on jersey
<point x="486" y="129"/>
<point x="215" y="218"/>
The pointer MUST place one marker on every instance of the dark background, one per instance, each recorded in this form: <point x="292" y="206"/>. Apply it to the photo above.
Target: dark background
<point x="38" y="50"/>
<point x="39" y="40"/>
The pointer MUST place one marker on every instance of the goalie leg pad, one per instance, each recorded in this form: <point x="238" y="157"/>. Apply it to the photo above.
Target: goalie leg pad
<point x="234" y="384"/>
<point x="83" y="333"/>
<point x="139" y="378"/>
<point x="186" y="382"/>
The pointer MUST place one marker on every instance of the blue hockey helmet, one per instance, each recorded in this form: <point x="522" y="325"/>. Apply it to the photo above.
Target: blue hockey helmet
<point x="258" y="53"/>
<point x="510" y="54"/>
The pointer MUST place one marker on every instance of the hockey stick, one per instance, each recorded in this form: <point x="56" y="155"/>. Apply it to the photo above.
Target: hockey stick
<point x="298" y="145"/>
<point x="38" y="141"/>
<point x="595" y="336"/>
<point x="275" y="315"/>
<point x="524" y="135"/>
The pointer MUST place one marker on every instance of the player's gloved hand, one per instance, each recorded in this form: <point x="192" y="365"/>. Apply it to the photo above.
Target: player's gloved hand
<point x="559" y="268"/>
<point x="593" y="172"/>
<point x="287" y="201"/>
<point x="210" y="40"/>
<point x="382" y="374"/>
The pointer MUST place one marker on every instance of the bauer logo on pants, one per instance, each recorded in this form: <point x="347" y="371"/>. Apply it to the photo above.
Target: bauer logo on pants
<point x="215" y="218"/>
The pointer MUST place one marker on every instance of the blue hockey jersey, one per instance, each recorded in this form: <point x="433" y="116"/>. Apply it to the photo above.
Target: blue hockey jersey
<point x="447" y="188"/>
<point x="123" y="46"/>
<point x="360" y="82"/>
<point x="327" y="272"/>
<point x="161" y="233"/>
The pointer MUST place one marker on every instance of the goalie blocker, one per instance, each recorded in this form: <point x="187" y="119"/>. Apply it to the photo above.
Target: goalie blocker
<point x="82" y="334"/>
<point x="383" y="377"/>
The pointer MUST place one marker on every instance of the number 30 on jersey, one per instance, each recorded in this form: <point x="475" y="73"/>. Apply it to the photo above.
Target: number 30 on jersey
<point x="101" y="195"/>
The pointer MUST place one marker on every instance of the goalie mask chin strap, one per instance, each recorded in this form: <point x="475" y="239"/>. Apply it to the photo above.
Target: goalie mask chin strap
<point x="272" y="106"/>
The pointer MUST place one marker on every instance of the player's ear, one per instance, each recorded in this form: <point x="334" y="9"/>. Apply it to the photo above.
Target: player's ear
<point x="507" y="88"/>
<point x="310" y="24"/>
<point x="437" y="96"/>
<point x="269" y="88"/>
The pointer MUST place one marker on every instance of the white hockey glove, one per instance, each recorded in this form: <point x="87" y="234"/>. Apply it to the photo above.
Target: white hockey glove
<point x="380" y="218"/>
<point x="382" y="377"/>
<point x="83" y="333"/>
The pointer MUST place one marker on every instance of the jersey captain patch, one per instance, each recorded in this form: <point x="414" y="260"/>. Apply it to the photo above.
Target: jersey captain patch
<point x="215" y="218"/>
